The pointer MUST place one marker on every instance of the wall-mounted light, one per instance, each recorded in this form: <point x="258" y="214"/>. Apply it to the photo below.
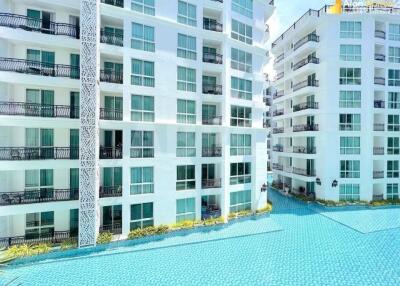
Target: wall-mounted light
<point x="318" y="181"/>
<point x="334" y="183"/>
<point x="263" y="188"/>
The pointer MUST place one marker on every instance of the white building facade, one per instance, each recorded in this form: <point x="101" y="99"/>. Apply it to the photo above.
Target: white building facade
<point x="336" y="107"/>
<point x="181" y="133"/>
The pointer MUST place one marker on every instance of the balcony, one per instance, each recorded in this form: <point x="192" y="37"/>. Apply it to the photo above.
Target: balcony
<point x="380" y="57"/>
<point x="267" y="101"/>
<point x="303" y="172"/>
<point x="379" y="80"/>
<point x="111" y="114"/>
<point x="38" y="196"/>
<point x="38" y="110"/>
<point x="304" y="106"/>
<point x="309" y="38"/>
<point x="212" y="25"/>
<point x="111" y="76"/>
<point x="276" y="166"/>
<point x="279" y="58"/>
<point x="278" y="94"/>
<point x="111" y="152"/>
<point x="305" y="83"/>
<point x="379" y="150"/>
<point x="22" y="22"/>
<point x="214" y="120"/>
<point x="304" y="150"/>
<point x="115" y="228"/>
<point x="117" y="3"/>
<point x="278" y="130"/>
<point x="266" y="124"/>
<point x="38" y="153"/>
<point x="380" y="34"/>
<point x="215" y="89"/>
<point x="211" y="183"/>
<point x="306" y="61"/>
<point x="212" y="58"/>
<point x="278" y="112"/>
<point x="379" y="127"/>
<point x="211" y="152"/>
<point x="378" y="174"/>
<point x="379" y="104"/>
<point x="277" y="148"/>
<point x="279" y="76"/>
<point x="110" y="192"/>
<point x="111" y="38"/>
<point x="305" y="127"/>
<point x="55" y="237"/>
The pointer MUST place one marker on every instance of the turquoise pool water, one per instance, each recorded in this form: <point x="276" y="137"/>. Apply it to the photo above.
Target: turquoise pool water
<point x="297" y="245"/>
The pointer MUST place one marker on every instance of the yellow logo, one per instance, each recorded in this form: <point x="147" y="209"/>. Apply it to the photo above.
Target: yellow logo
<point x="337" y="8"/>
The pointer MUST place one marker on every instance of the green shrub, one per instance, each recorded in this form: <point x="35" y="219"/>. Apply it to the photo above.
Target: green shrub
<point x="185" y="224"/>
<point x="68" y="244"/>
<point x="239" y="214"/>
<point x="384" y="203"/>
<point x="24" y="250"/>
<point x="104" y="237"/>
<point x="150" y="230"/>
<point x="267" y="208"/>
<point x="213" y="221"/>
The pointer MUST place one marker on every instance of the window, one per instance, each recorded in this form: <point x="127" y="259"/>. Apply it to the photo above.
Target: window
<point x="349" y="169"/>
<point x="144" y="6"/>
<point x="394" y="32"/>
<point x="393" y="146"/>
<point x="112" y="180"/>
<point x="141" y="215"/>
<point x="242" y="32"/>
<point x="142" y="73"/>
<point x="392" y="169"/>
<point x="393" y="123"/>
<point x="142" y="37"/>
<point x="392" y="191"/>
<point x="186" y="111"/>
<point x="185" y="209"/>
<point x="394" y="55"/>
<point x="186" y="144"/>
<point x="349" y="145"/>
<point x="142" y="180"/>
<point x="240" y="60"/>
<point x="394" y="100"/>
<point x="350" y="30"/>
<point x="142" y="144"/>
<point x="186" y="47"/>
<point x="350" y="53"/>
<point x="186" y="79"/>
<point x="39" y="225"/>
<point x="241" y="88"/>
<point x="185" y="177"/>
<point x="39" y="183"/>
<point x="350" y="76"/>
<point x="142" y="108"/>
<point x="350" y="99"/>
<point x="240" y="116"/>
<point x="349" y="192"/>
<point x="240" y="173"/>
<point x="240" y="144"/>
<point x="350" y="122"/>
<point x="243" y="7"/>
<point x="240" y="201"/>
<point x="394" y="77"/>
<point x="187" y="13"/>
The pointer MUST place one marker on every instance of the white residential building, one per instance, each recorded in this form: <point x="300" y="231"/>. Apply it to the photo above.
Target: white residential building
<point x="336" y="107"/>
<point x="180" y="128"/>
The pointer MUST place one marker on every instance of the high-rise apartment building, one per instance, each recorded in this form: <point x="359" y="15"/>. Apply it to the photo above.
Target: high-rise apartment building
<point x="172" y="98"/>
<point x="337" y="105"/>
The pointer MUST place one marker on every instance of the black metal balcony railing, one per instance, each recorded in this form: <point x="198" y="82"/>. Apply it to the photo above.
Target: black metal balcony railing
<point x="111" y="114"/>
<point x="110" y="192"/>
<point x="118" y="3"/>
<point x="38" y="110"/>
<point x="305" y="83"/>
<point x="110" y="152"/>
<point x="115" y="228"/>
<point x="304" y="106"/>
<point x="212" y="89"/>
<point x="111" y="76"/>
<point x="379" y="150"/>
<point x="212" y="25"/>
<point x="276" y="166"/>
<point x="267" y="101"/>
<point x="38" y="25"/>
<point x="38" y="68"/>
<point x="277" y="148"/>
<point x="211" y="183"/>
<point x="379" y="103"/>
<point x="309" y="38"/>
<point x="38" y="196"/>
<point x="266" y="124"/>
<point x="305" y="127"/>
<point x="212" y="58"/>
<point x="306" y="61"/>
<point x="380" y="34"/>
<point x="214" y="120"/>
<point x="278" y="94"/>
<point x="379" y="80"/>
<point x="379" y="127"/>
<point x="220" y="1"/>
<point x="38" y="153"/>
<point x="278" y="112"/>
<point x="378" y="174"/>
<point x="54" y="237"/>
<point x="211" y="152"/>
<point x="380" y="57"/>
<point x="303" y="172"/>
<point x="304" y="150"/>
<point x="278" y="130"/>
<point x="279" y="58"/>
<point x="111" y="38"/>
<point x="279" y="76"/>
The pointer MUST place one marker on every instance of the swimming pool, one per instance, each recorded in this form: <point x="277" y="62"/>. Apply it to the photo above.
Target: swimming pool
<point x="304" y="248"/>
